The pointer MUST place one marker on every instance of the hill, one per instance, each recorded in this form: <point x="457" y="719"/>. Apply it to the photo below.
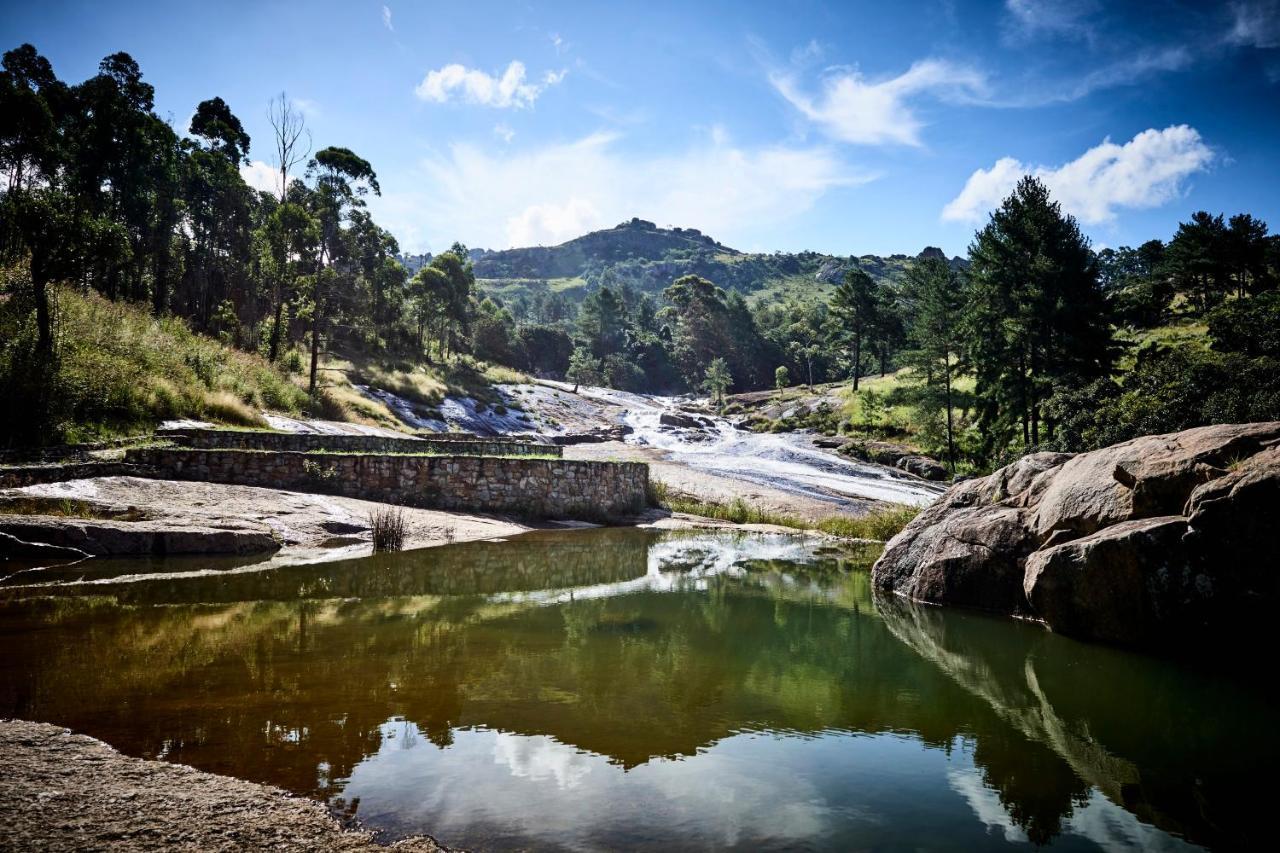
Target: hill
<point x="649" y="258"/>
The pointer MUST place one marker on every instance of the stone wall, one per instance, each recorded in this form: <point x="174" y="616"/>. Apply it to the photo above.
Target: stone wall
<point x="554" y="488"/>
<point x="304" y="442"/>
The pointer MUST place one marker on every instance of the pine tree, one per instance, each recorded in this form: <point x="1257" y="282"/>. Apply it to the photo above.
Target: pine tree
<point x="1036" y="317"/>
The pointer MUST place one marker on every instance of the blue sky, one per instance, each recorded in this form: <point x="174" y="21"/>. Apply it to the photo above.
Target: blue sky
<point x="848" y="128"/>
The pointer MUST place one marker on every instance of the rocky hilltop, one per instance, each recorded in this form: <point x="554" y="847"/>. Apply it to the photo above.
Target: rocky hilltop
<point x="1157" y="540"/>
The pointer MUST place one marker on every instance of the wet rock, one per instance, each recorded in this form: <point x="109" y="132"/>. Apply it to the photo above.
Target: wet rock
<point x="683" y="421"/>
<point x="1126" y="583"/>
<point x="11" y="547"/>
<point x="120" y="538"/>
<point x="1140" y="542"/>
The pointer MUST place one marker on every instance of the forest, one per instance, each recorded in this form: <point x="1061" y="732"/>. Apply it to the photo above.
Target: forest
<point x="1035" y="340"/>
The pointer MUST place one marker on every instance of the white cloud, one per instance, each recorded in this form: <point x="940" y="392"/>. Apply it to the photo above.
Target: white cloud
<point x="1147" y="171"/>
<point x="852" y="109"/>
<point x="261" y="176"/>
<point x="549" y="194"/>
<point x="504" y="132"/>
<point x="478" y="87"/>
<point x="386" y="18"/>
<point x="549" y="224"/>
<point x="1255" y="24"/>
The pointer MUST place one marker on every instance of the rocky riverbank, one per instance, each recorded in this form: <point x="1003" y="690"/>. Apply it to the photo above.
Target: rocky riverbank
<point x="171" y="517"/>
<point x="1166" y="539"/>
<point x="65" y="791"/>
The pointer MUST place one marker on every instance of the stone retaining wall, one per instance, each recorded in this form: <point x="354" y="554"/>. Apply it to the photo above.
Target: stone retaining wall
<point x="554" y="488"/>
<point x="303" y="442"/>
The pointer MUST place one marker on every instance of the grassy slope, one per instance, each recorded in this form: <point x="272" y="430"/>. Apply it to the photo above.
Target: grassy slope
<point x="120" y="371"/>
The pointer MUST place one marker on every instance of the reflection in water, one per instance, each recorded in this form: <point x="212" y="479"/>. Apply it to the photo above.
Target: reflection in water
<point x="619" y="688"/>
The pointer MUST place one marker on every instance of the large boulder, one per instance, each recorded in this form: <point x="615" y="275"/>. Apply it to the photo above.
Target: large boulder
<point x="1154" y="538"/>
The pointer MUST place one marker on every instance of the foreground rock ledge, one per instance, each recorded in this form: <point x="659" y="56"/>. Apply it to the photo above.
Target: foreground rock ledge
<point x="1165" y="538"/>
<point x="66" y="791"/>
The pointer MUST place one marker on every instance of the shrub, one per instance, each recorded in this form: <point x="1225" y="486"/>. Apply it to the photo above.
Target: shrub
<point x="389" y="528"/>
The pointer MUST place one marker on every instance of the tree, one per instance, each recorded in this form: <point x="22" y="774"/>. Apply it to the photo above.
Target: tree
<point x="856" y="310"/>
<point x="584" y="368"/>
<point x="288" y="127"/>
<point x="1036" y="316"/>
<point x="342" y="179"/>
<point x="781" y="378"/>
<point x="1197" y="259"/>
<point x="717" y="380"/>
<point x="935" y="301"/>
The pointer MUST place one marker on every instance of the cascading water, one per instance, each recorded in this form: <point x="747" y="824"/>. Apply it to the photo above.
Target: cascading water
<point x="786" y="461"/>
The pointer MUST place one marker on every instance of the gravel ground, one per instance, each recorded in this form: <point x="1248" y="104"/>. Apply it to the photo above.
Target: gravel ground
<point x="64" y="791"/>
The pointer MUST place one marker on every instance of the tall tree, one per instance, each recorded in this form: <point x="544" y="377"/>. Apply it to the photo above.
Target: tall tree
<point x="934" y="299"/>
<point x="856" y="309"/>
<point x="1036" y="313"/>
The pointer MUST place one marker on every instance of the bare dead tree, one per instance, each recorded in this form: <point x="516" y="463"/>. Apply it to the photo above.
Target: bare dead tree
<point x="289" y="127"/>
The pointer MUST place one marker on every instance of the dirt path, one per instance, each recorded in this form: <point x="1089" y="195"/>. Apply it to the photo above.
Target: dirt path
<point x="64" y="791"/>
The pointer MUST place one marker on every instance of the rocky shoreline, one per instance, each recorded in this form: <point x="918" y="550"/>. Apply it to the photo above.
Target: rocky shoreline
<point x="65" y="791"/>
<point x="1160" y="541"/>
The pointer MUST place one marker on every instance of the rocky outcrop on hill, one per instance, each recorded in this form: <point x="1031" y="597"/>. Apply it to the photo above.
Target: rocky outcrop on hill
<point x="1156" y="539"/>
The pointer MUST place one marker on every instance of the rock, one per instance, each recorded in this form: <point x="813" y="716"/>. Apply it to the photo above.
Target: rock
<point x="11" y="547"/>
<point x="923" y="467"/>
<point x="1144" y="542"/>
<point x="1126" y="583"/>
<point x="102" y="538"/>
<point x="682" y="421"/>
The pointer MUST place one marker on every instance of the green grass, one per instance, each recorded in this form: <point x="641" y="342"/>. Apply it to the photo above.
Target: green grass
<point x="66" y="508"/>
<point x="117" y="371"/>
<point x="880" y="525"/>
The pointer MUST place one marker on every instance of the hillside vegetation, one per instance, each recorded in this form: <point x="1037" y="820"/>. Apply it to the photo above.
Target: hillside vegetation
<point x="640" y="255"/>
<point x="119" y="370"/>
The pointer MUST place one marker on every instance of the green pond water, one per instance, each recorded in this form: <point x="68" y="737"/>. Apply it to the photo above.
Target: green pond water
<point x="614" y="689"/>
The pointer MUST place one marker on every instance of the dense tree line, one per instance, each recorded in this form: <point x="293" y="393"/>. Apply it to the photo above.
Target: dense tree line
<point x="101" y="193"/>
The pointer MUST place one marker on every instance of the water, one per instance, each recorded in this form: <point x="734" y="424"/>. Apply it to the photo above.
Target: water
<point x="786" y="461"/>
<point x="624" y="689"/>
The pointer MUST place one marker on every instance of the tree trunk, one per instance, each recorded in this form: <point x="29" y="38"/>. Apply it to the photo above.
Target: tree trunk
<point x="857" y="359"/>
<point x="44" y="328"/>
<point x="951" y="444"/>
<point x="274" y="350"/>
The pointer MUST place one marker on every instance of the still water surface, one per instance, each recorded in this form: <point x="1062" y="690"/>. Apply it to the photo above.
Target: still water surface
<point x="620" y="688"/>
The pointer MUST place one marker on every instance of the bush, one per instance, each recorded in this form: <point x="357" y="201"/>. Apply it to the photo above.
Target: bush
<point x="389" y="528"/>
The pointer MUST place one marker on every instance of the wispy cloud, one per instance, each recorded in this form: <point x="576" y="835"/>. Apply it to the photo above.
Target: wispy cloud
<point x="551" y="193"/>
<point x="386" y="18"/>
<point x="852" y="108"/>
<point x="1255" y="24"/>
<point x="503" y="131"/>
<point x="1147" y="171"/>
<point x="510" y="90"/>
<point x="1027" y="19"/>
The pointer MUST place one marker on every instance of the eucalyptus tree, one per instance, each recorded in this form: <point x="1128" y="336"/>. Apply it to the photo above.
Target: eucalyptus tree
<point x="342" y="179"/>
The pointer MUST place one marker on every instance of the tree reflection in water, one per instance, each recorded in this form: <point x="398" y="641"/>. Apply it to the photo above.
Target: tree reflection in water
<point x="659" y="655"/>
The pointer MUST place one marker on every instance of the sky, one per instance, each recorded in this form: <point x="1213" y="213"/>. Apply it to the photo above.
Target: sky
<point x="845" y="127"/>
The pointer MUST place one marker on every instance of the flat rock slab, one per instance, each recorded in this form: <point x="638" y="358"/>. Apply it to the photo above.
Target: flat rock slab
<point x="65" y="791"/>
<point x="101" y="538"/>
